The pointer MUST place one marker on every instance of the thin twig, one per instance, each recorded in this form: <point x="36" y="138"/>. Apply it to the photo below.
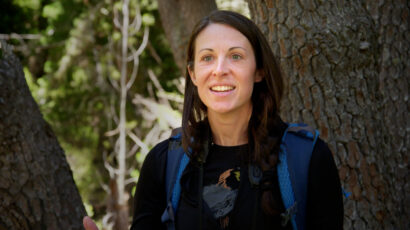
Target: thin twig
<point x="116" y="20"/>
<point x="138" y="141"/>
<point x="133" y="150"/>
<point x="113" y="113"/>
<point x="130" y="180"/>
<point x="111" y="170"/>
<point x="137" y="22"/>
<point x="134" y="71"/>
<point x="103" y="186"/>
<point x="154" y="53"/>
<point x="106" y="220"/>
<point x="111" y="132"/>
<point x="20" y="36"/>
<point x="144" y="41"/>
<point x="157" y="85"/>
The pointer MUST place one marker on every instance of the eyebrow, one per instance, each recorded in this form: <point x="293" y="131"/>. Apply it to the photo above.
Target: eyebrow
<point x="232" y="48"/>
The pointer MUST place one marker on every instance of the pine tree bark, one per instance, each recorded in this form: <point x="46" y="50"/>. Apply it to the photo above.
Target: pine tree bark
<point x="37" y="190"/>
<point x="178" y="18"/>
<point x="346" y="69"/>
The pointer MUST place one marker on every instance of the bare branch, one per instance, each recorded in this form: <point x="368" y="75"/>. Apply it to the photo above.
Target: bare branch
<point x="144" y="41"/>
<point x="116" y="19"/>
<point x="25" y="50"/>
<point x="180" y="84"/>
<point x="113" y="83"/>
<point x="154" y="53"/>
<point x="154" y="80"/>
<point x="112" y="132"/>
<point x="132" y="56"/>
<point x="111" y="64"/>
<point x="111" y="170"/>
<point x="104" y="186"/>
<point x="150" y="90"/>
<point x="22" y="48"/>
<point x="157" y="85"/>
<point x="131" y="180"/>
<point x="106" y="222"/>
<point x="129" y="171"/>
<point x="134" y="71"/>
<point x="113" y="113"/>
<point x="121" y="148"/>
<point x="176" y="98"/>
<point x="117" y="146"/>
<point x="138" y="141"/>
<point x="20" y="36"/>
<point x="137" y="22"/>
<point x="133" y="150"/>
<point x="154" y="132"/>
<point x="98" y="67"/>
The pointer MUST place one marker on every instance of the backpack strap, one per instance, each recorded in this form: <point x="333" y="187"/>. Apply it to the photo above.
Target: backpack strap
<point x="296" y="149"/>
<point x="177" y="160"/>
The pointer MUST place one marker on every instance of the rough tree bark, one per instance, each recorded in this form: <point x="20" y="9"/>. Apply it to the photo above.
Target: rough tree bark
<point x="178" y="18"/>
<point x="37" y="190"/>
<point x="346" y="68"/>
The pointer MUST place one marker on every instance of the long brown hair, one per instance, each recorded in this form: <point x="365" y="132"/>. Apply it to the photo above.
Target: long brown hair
<point x="265" y="126"/>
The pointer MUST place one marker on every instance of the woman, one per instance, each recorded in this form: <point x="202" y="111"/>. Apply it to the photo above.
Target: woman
<point x="231" y="108"/>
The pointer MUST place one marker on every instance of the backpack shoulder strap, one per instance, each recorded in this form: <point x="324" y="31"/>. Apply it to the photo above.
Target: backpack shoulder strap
<point x="177" y="160"/>
<point x="296" y="149"/>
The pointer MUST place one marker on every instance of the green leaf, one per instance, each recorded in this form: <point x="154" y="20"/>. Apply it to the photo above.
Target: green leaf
<point x="131" y="124"/>
<point x="31" y="4"/>
<point x="148" y="19"/>
<point x="79" y="78"/>
<point x="53" y="10"/>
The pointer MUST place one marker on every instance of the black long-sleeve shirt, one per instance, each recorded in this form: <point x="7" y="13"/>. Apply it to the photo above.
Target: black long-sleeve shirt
<point x="224" y="168"/>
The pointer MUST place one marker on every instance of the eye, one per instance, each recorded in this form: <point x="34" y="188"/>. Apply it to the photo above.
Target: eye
<point x="236" y="57"/>
<point x="207" y="58"/>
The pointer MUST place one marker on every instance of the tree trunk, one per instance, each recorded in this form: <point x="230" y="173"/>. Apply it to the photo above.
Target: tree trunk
<point x="178" y="18"/>
<point x="37" y="190"/>
<point x="346" y="69"/>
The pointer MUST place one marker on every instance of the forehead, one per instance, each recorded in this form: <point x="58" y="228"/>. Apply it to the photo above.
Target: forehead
<point x="217" y="35"/>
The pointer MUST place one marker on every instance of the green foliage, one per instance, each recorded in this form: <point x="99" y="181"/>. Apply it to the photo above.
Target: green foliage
<point x="148" y="19"/>
<point x="69" y="70"/>
<point x="29" y="4"/>
<point x="240" y="6"/>
<point x="52" y="11"/>
<point x="22" y="11"/>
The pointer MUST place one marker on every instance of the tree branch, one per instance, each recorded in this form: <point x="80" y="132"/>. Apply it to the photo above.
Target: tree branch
<point x="20" y="36"/>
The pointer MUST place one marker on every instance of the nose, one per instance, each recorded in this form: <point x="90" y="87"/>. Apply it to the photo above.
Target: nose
<point x="220" y="68"/>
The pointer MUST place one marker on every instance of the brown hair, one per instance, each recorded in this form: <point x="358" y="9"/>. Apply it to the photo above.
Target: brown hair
<point x="265" y="126"/>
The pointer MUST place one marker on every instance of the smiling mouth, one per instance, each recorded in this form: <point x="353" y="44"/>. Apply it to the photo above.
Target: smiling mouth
<point x="222" y="88"/>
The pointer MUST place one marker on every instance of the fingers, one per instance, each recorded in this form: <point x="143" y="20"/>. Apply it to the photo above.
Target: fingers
<point x="89" y="223"/>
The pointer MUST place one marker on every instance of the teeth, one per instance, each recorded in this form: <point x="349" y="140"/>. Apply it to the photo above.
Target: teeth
<point x="222" y="88"/>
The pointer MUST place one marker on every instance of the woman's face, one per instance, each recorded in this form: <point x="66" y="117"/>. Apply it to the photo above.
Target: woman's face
<point x="224" y="70"/>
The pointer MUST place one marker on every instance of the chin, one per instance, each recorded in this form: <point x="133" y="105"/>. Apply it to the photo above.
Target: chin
<point x="220" y="110"/>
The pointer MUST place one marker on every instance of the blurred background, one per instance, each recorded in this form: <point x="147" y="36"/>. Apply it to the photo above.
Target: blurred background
<point x="107" y="108"/>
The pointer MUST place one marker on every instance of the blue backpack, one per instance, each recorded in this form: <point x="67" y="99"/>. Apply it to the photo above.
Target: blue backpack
<point x="294" y="157"/>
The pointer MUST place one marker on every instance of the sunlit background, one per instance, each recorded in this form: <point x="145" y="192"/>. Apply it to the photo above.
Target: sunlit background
<point x="73" y="62"/>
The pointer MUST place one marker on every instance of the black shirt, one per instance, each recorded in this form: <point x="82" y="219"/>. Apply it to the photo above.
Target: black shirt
<point x="225" y="175"/>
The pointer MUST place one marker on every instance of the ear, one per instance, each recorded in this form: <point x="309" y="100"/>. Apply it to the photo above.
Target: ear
<point x="258" y="75"/>
<point x="192" y="75"/>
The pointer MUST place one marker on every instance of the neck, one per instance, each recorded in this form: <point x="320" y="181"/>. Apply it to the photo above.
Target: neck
<point x="229" y="129"/>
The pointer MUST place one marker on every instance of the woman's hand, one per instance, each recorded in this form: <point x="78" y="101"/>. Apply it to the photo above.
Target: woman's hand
<point x="89" y="223"/>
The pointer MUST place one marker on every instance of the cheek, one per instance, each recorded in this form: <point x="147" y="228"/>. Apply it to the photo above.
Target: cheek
<point x="200" y="78"/>
<point x="249" y="86"/>
<point x="250" y="90"/>
<point x="200" y="84"/>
